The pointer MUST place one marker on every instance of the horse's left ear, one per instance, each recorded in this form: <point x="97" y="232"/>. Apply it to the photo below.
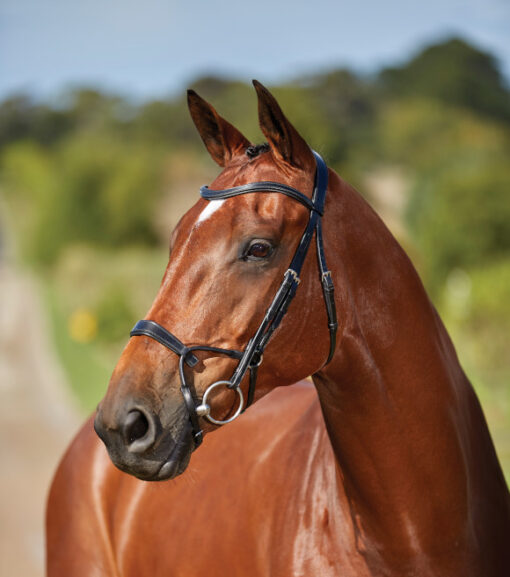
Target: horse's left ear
<point x="285" y="141"/>
<point x="222" y="140"/>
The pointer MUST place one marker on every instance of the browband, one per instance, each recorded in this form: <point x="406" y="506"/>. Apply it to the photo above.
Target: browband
<point x="262" y="186"/>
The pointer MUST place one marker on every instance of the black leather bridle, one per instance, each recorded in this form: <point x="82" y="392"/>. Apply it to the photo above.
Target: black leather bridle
<point x="251" y="358"/>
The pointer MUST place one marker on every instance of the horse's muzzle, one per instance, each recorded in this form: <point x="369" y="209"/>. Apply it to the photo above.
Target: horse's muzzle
<point x="138" y="444"/>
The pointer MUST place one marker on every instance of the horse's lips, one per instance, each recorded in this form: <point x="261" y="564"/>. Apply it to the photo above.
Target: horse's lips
<point x="169" y="470"/>
<point x="175" y="464"/>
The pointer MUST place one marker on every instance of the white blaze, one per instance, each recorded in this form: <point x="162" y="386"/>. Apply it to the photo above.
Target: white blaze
<point x="210" y="209"/>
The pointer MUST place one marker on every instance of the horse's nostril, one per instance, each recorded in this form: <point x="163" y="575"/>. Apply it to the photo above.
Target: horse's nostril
<point x="135" y="427"/>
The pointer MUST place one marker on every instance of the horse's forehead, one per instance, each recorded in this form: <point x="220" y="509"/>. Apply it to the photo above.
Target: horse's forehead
<point x="258" y="169"/>
<point x="239" y="211"/>
<point x="271" y="209"/>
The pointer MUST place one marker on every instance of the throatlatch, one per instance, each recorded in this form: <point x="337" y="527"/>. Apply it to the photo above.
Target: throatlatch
<point x="251" y="358"/>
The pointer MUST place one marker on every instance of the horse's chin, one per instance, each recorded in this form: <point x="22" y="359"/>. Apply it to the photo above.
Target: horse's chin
<point x="154" y="469"/>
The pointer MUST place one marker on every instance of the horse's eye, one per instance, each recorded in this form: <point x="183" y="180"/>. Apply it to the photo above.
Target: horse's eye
<point x="258" y="250"/>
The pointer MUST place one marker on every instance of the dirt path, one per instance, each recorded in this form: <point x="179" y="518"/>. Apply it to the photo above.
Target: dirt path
<point x="37" y="420"/>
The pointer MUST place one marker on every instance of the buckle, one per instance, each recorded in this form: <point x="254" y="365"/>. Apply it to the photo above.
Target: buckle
<point x="294" y="275"/>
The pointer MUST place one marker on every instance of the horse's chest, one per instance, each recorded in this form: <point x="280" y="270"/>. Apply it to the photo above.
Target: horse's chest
<point x="236" y="533"/>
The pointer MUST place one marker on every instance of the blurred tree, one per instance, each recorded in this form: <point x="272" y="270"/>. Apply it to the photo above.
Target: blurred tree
<point x="164" y="123"/>
<point x="461" y="218"/>
<point x="347" y="106"/>
<point x="424" y="134"/>
<point x="22" y="119"/>
<point x="91" y="189"/>
<point x="115" y="314"/>
<point x="453" y="72"/>
<point x="94" y="111"/>
<point x="29" y="178"/>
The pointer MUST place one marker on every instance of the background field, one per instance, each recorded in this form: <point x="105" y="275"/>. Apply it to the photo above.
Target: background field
<point x="93" y="182"/>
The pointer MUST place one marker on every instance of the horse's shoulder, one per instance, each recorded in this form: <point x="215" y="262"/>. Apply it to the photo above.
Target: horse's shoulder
<point x="82" y="459"/>
<point x="76" y="532"/>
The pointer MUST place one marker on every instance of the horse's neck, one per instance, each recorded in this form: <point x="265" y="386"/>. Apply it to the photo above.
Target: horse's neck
<point x="407" y="430"/>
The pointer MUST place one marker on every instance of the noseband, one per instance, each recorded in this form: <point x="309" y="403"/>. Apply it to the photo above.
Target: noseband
<point x="251" y="358"/>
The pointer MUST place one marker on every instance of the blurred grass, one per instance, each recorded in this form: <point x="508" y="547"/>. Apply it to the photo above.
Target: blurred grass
<point x="88" y="373"/>
<point x="80" y="283"/>
<point x="480" y="354"/>
<point x="496" y="406"/>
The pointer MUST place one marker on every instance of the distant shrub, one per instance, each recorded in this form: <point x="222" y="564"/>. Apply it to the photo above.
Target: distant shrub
<point x="91" y="190"/>
<point x="482" y="328"/>
<point x="460" y="218"/>
<point x="115" y="314"/>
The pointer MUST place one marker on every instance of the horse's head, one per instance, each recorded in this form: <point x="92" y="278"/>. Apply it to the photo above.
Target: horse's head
<point x="228" y="257"/>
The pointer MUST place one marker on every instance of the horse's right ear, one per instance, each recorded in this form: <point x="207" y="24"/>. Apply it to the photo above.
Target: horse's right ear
<point x="285" y="141"/>
<point x="222" y="140"/>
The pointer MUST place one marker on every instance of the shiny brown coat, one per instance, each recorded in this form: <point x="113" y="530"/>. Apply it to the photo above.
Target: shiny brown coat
<point x="388" y="469"/>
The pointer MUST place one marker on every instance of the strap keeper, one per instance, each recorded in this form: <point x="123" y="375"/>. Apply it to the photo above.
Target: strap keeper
<point x="190" y="360"/>
<point x="327" y="281"/>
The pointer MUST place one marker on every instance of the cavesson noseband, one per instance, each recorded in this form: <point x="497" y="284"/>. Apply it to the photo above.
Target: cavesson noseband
<point x="251" y="358"/>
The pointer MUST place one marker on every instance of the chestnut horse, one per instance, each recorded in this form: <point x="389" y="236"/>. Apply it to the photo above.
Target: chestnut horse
<point x="385" y="467"/>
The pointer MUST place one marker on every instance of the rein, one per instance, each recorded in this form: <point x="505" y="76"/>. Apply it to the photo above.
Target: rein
<point x="251" y="358"/>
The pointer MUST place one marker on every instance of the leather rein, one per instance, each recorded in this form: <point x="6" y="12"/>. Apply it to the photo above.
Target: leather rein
<point x="251" y="358"/>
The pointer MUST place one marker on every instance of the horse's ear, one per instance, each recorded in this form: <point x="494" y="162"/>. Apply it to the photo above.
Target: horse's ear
<point x="285" y="141"/>
<point x="222" y="140"/>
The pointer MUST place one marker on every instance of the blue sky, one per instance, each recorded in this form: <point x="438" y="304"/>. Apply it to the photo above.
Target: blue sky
<point x="150" y="48"/>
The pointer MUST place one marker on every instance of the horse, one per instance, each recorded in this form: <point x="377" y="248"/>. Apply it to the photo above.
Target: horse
<point x="383" y="466"/>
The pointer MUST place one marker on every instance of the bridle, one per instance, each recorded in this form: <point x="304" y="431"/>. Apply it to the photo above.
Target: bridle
<point x="251" y="358"/>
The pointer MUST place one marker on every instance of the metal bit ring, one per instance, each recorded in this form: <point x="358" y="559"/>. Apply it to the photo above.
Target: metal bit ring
<point x="204" y="410"/>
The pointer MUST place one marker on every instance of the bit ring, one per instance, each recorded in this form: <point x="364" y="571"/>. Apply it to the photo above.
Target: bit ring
<point x="204" y="410"/>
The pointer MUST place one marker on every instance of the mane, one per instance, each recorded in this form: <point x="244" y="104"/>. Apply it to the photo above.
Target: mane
<point x="256" y="150"/>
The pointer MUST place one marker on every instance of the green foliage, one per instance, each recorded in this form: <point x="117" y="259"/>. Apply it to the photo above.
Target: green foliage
<point x="477" y="315"/>
<point x="88" y="189"/>
<point x="489" y="320"/>
<point x="30" y="180"/>
<point x="115" y="287"/>
<point x="453" y="72"/>
<point x="21" y="119"/>
<point x="458" y="211"/>
<point x="461" y="218"/>
<point x="115" y="314"/>
<point x="426" y="135"/>
<point x="88" y="371"/>
<point x="348" y="109"/>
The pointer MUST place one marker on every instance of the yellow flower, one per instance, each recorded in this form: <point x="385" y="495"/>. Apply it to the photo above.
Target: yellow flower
<point x="82" y="326"/>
